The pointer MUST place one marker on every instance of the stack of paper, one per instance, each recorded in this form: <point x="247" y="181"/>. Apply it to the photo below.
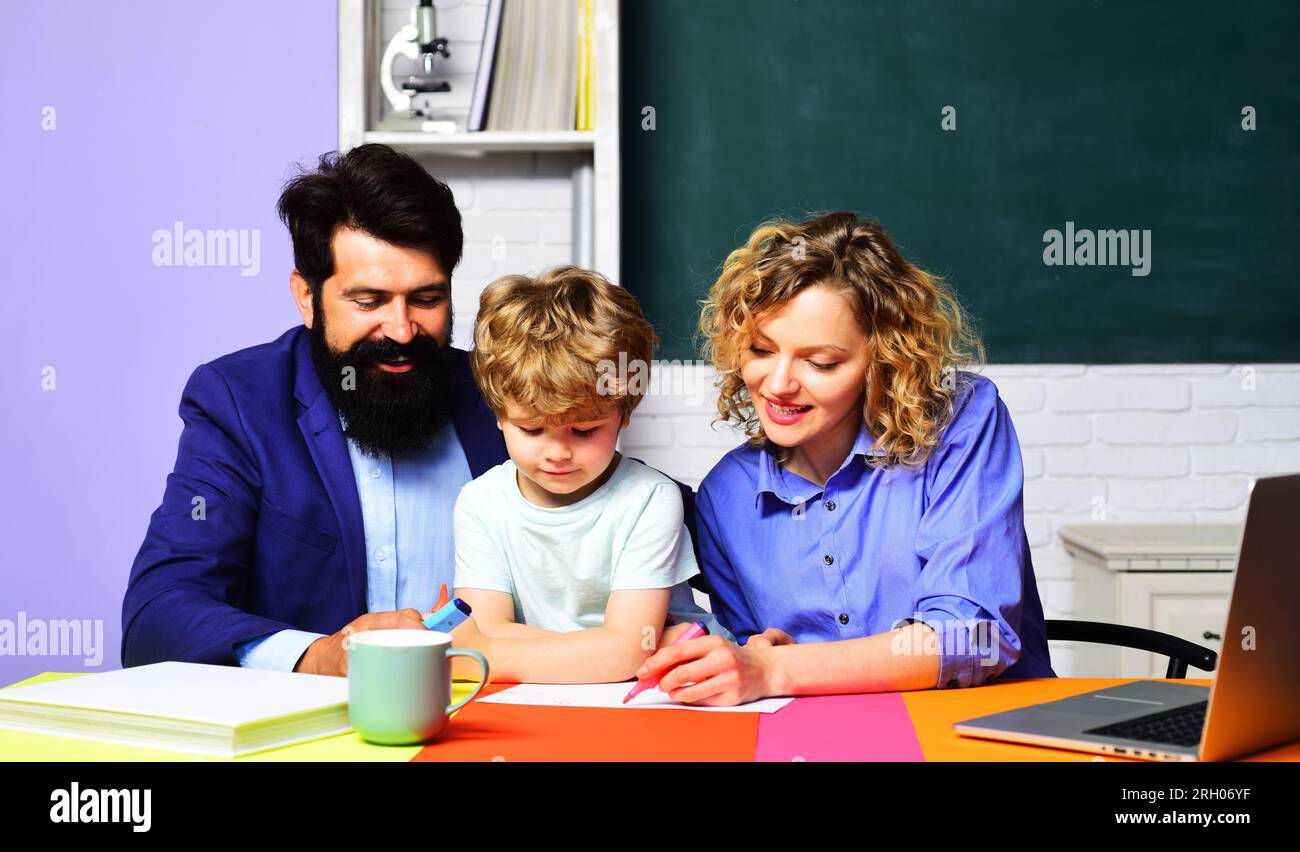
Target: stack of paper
<point x="212" y="710"/>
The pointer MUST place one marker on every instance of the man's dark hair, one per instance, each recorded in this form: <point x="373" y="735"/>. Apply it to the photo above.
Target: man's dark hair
<point x="376" y="190"/>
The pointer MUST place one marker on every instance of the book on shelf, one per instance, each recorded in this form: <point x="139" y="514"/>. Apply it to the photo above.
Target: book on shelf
<point x="536" y="70"/>
<point x="586" y="64"/>
<point x="486" y="58"/>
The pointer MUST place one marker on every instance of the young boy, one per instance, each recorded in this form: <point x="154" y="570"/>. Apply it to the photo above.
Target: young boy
<point x="570" y="555"/>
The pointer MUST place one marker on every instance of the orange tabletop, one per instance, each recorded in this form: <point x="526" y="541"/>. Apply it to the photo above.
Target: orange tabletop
<point x="934" y="711"/>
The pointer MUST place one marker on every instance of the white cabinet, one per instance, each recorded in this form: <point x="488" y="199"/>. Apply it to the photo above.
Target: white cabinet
<point x="1174" y="579"/>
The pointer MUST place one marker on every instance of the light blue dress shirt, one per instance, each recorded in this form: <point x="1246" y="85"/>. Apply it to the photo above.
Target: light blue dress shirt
<point x="407" y="508"/>
<point x="944" y="544"/>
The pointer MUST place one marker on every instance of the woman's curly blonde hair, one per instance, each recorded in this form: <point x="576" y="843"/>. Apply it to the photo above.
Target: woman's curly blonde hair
<point x="915" y="327"/>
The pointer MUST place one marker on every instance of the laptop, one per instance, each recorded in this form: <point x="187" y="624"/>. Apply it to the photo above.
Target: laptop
<point x="1254" y="700"/>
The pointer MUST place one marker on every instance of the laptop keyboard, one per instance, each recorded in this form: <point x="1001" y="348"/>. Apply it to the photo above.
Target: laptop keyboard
<point x="1181" y="726"/>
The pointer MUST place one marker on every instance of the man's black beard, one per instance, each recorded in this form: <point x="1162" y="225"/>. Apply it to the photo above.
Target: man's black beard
<point x="386" y="414"/>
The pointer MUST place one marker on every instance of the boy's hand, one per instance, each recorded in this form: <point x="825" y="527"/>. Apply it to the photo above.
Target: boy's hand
<point x="467" y="635"/>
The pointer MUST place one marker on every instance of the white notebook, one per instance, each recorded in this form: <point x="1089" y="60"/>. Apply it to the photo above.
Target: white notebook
<point x="212" y="710"/>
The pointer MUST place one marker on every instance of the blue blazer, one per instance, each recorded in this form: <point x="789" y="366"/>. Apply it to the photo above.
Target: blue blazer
<point x="260" y="524"/>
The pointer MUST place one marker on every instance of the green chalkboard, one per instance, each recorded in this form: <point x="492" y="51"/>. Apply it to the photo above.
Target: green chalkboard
<point x="1108" y="115"/>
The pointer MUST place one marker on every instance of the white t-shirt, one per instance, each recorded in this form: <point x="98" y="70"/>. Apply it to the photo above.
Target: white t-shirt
<point x="560" y="565"/>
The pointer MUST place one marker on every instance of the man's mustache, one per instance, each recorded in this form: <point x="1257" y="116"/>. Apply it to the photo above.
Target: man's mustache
<point x="421" y="349"/>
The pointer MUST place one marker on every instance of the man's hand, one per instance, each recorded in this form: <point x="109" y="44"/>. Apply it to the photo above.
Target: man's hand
<point x="327" y="656"/>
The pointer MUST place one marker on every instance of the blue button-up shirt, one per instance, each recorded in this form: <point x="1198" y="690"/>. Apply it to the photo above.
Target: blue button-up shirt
<point x="944" y="544"/>
<point x="407" y="507"/>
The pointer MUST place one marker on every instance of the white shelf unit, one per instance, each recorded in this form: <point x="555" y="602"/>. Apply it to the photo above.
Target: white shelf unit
<point x="595" y="178"/>
<point x="485" y="142"/>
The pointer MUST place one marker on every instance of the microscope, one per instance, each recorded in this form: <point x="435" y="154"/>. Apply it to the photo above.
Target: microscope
<point x="418" y="41"/>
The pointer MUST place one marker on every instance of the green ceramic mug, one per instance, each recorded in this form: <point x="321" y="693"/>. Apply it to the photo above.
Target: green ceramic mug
<point x="399" y="684"/>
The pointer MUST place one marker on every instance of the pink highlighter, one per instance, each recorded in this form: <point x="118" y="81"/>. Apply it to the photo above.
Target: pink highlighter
<point x="696" y="630"/>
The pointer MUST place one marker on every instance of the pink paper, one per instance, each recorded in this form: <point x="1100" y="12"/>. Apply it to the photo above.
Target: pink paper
<point x="839" y="728"/>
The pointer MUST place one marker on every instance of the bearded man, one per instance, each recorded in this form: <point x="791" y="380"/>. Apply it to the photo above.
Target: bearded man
<point x="316" y="475"/>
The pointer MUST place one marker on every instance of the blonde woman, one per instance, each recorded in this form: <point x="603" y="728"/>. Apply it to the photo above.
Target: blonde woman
<point x="869" y="536"/>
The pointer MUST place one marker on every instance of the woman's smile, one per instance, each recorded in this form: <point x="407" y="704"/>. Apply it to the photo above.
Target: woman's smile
<point x="785" y="414"/>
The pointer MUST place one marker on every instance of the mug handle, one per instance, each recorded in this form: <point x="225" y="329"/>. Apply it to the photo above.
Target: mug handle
<point x="477" y="657"/>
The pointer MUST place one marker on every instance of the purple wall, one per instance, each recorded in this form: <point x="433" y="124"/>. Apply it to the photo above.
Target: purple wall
<point x="164" y="112"/>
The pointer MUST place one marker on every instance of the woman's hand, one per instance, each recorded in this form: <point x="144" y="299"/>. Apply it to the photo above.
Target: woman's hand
<point x="769" y="637"/>
<point x="672" y="631"/>
<point x="711" y="671"/>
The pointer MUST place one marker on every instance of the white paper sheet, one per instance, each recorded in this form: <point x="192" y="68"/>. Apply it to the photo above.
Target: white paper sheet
<point x="611" y="695"/>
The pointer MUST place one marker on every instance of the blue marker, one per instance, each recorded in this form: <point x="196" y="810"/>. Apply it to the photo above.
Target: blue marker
<point x="449" y="617"/>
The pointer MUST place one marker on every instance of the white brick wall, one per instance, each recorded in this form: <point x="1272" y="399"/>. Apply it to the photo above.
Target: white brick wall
<point x="1129" y="444"/>
<point x="517" y="212"/>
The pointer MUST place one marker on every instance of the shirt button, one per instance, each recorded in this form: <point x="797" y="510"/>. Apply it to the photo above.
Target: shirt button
<point x="374" y="472"/>
<point x="830" y="505"/>
<point x="381" y="555"/>
<point x="844" y="618"/>
<point x="828" y="559"/>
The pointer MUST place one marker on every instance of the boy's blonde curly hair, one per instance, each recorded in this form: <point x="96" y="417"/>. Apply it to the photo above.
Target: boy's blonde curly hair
<point x="547" y="345"/>
<point x="913" y="322"/>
